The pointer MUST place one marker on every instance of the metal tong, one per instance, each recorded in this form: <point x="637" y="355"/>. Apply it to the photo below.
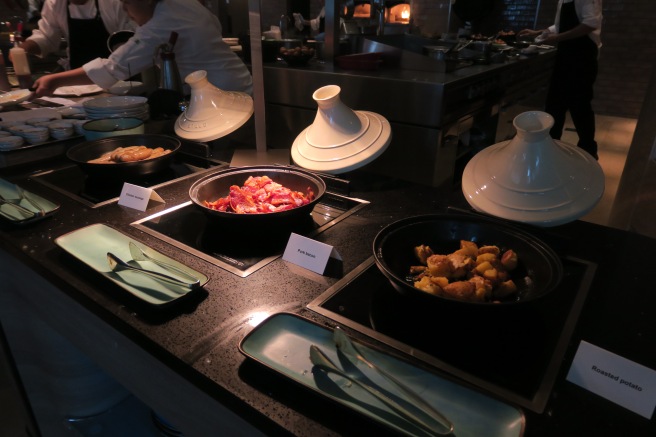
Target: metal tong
<point x="139" y="255"/>
<point x="20" y="208"/>
<point x="321" y="360"/>
<point x="439" y="424"/>
<point x="117" y="265"/>
<point x="349" y="349"/>
<point x="22" y="195"/>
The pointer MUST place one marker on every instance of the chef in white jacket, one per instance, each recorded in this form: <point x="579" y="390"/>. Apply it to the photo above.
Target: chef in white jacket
<point x="84" y="24"/>
<point x="199" y="46"/>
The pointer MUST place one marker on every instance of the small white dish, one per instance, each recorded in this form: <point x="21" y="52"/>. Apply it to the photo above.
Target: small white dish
<point x="119" y="103"/>
<point x="14" y="97"/>
<point x="77" y="90"/>
<point x="123" y="88"/>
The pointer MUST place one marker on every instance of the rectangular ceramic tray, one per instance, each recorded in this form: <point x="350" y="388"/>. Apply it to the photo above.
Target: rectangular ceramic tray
<point x="282" y="343"/>
<point x="91" y="244"/>
<point x="10" y="192"/>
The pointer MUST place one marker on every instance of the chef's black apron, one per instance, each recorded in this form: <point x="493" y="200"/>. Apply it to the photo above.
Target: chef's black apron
<point x="575" y="72"/>
<point x="87" y="39"/>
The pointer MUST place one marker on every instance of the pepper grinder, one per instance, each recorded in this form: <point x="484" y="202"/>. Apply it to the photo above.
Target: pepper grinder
<point x="168" y="99"/>
<point x="169" y="74"/>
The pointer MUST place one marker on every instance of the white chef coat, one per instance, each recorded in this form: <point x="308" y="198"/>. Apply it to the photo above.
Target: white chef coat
<point x="199" y="47"/>
<point x="53" y="25"/>
<point x="588" y="12"/>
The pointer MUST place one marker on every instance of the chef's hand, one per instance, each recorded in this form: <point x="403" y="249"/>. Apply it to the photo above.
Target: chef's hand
<point x="43" y="86"/>
<point x="528" y="32"/>
<point x="550" y="39"/>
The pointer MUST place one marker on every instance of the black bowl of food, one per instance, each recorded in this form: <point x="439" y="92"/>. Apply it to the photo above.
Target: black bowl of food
<point x="125" y="155"/>
<point x="296" y="56"/>
<point x="271" y="47"/>
<point x="258" y="195"/>
<point x="466" y="259"/>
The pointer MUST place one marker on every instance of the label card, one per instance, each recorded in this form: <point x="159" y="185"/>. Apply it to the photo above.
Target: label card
<point x="624" y="382"/>
<point x="310" y="254"/>
<point x="136" y="197"/>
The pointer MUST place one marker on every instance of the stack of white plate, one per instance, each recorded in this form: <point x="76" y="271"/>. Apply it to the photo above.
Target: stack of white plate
<point x="117" y="107"/>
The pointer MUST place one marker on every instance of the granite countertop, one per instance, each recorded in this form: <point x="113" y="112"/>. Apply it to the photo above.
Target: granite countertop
<point x="199" y="340"/>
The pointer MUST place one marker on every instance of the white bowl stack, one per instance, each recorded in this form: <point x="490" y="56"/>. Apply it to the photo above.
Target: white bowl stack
<point x="117" y="107"/>
<point x="60" y="130"/>
<point x="11" y="142"/>
<point x="36" y="134"/>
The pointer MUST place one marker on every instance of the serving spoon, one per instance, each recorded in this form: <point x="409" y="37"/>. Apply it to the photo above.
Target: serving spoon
<point x="321" y="360"/>
<point x="139" y="255"/>
<point x="348" y="348"/>
<point x="118" y="265"/>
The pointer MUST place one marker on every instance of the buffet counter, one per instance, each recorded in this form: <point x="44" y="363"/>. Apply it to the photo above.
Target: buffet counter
<point x="184" y="362"/>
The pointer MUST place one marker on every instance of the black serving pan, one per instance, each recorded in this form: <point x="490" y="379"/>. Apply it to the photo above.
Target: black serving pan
<point x="216" y="185"/>
<point x="88" y="150"/>
<point x="539" y="270"/>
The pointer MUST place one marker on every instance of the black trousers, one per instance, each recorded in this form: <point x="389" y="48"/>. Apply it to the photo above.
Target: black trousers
<point x="572" y="89"/>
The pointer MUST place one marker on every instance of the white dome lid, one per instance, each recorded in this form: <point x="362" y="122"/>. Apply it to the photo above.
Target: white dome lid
<point x="212" y="113"/>
<point x="533" y="178"/>
<point x="340" y="139"/>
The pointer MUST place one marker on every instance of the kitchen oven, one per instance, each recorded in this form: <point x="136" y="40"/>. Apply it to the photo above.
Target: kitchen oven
<point x="377" y="16"/>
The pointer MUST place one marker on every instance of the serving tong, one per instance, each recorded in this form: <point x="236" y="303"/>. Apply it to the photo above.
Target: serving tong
<point x="117" y="265"/>
<point x="139" y="255"/>
<point x="440" y="425"/>
<point x="22" y="195"/>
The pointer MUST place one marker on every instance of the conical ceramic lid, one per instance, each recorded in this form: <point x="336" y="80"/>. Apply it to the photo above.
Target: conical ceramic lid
<point x="212" y="113"/>
<point x="533" y="178"/>
<point x="340" y="139"/>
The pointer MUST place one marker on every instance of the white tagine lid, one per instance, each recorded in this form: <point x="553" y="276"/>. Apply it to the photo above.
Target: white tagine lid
<point x="340" y="139"/>
<point x="212" y="113"/>
<point x="533" y="178"/>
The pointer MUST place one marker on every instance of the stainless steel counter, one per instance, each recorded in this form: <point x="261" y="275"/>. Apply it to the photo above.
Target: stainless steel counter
<point x="438" y="119"/>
